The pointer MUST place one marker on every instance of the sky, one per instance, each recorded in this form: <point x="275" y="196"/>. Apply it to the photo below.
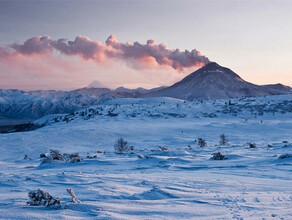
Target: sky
<point x="68" y="44"/>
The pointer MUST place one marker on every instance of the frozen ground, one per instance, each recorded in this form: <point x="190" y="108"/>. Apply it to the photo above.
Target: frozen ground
<point x="179" y="183"/>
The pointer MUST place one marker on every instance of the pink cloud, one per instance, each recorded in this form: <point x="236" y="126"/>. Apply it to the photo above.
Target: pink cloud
<point x="137" y="54"/>
<point x="34" y="45"/>
<point x="43" y="63"/>
<point x="82" y="46"/>
<point x="163" y="56"/>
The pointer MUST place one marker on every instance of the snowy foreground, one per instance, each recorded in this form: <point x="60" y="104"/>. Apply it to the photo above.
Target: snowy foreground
<point x="177" y="180"/>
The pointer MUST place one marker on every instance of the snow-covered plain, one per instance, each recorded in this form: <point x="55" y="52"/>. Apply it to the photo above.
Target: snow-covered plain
<point x="150" y="183"/>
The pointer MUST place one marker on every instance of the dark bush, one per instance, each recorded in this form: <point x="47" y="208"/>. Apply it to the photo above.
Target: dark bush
<point x="41" y="197"/>
<point x="122" y="146"/>
<point x="218" y="156"/>
<point x="163" y="148"/>
<point x="252" y="145"/>
<point x="201" y="142"/>
<point x="284" y="156"/>
<point x="223" y="140"/>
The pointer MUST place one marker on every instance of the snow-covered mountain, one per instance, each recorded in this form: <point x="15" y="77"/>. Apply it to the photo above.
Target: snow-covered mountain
<point x="96" y="84"/>
<point x="138" y="90"/>
<point x="16" y="104"/>
<point x="122" y="92"/>
<point x="210" y="82"/>
<point x="216" y="82"/>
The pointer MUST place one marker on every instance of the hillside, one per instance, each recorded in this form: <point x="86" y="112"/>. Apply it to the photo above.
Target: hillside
<point x="216" y="82"/>
<point x="165" y="168"/>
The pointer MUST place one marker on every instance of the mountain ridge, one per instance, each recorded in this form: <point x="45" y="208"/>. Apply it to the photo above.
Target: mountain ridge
<point x="209" y="82"/>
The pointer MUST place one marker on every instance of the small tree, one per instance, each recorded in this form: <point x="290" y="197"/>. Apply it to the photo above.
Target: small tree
<point x="201" y="142"/>
<point x="223" y="140"/>
<point x="121" y="146"/>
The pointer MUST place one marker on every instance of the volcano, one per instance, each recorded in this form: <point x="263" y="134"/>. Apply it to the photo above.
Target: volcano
<point x="217" y="82"/>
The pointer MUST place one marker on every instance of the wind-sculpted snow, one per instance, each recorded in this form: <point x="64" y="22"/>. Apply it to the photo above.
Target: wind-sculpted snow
<point x="167" y="175"/>
<point x="168" y="108"/>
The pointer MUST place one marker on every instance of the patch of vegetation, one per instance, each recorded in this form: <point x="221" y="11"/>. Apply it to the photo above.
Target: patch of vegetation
<point x="201" y="142"/>
<point x="121" y="146"/>
<point x="57" y="156"/>
<point x="41" y="197"/>
<point x="163" y="148"/>
<point x="284" y="156"/>
<point x="251" y="145"/>
<point x="223" y="140"/>
<point x="218" y="156"/>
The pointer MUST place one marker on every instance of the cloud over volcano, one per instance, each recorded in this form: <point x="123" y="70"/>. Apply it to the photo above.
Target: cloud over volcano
<point x="139" y="55"/>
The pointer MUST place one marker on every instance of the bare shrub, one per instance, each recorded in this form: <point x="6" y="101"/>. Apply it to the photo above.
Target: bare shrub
<point x="223" y="140"/>
<point x="201" y="142"/>
<point x="56" y="155"/>
<point x="41" y="197"/>
<point x="47" y="160"/>
<point x="284" y="156"/>
<point x="122" y="146"/>
<point x="163" y="148"/>
<point x="75" y="158"/>
<point x="218" y="156"/>
<point x="43" y="155"/>
<point x="73" y="196"/>
<point x="251" y="145"/>
<point x="91" y="157"/>
<point x="26" y="157"/>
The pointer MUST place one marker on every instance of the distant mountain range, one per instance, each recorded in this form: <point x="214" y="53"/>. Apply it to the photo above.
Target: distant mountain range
<point x="210" y="82"/>
<point x="17" y="106"/>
